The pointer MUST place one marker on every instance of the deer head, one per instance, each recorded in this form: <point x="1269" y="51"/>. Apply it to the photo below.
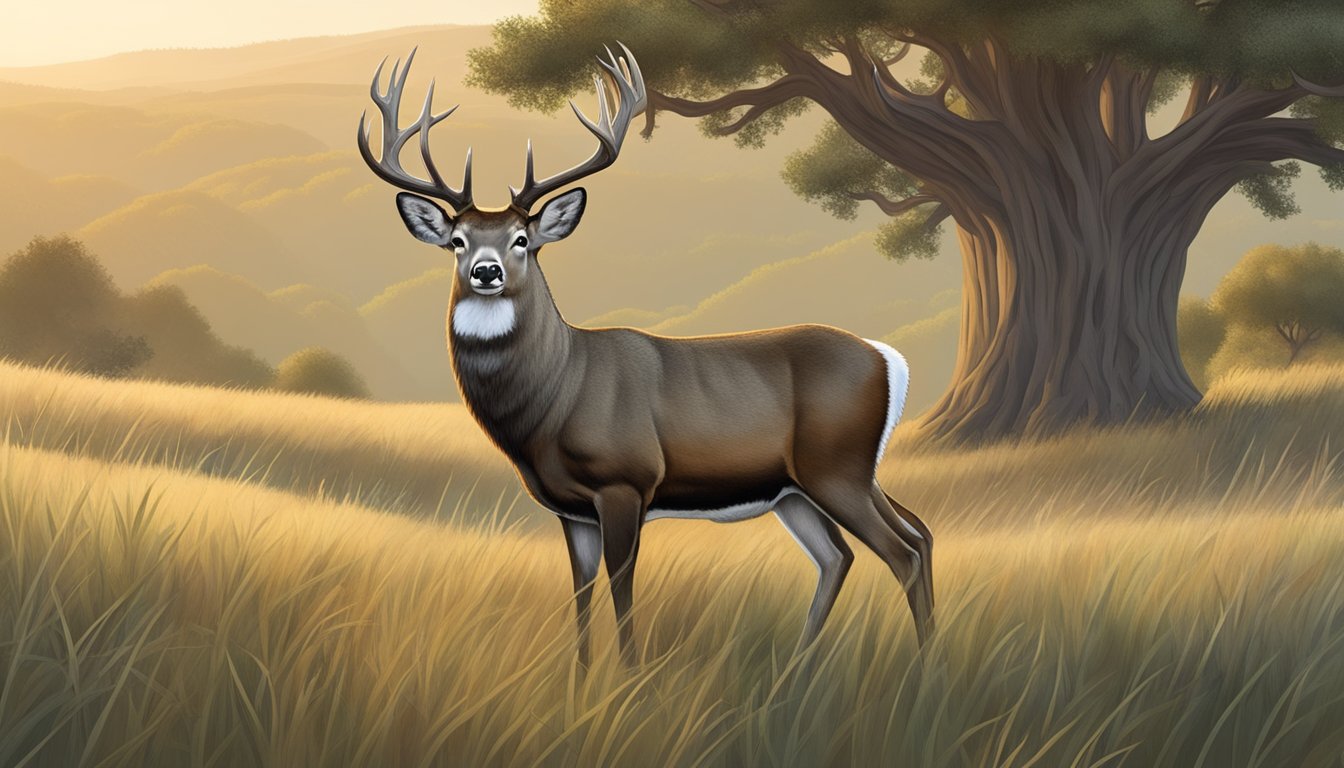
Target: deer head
<point x="495" y="248"/>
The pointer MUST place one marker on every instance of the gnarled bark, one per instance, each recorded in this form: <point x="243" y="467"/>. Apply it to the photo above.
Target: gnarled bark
<point x="1074" y="223"/>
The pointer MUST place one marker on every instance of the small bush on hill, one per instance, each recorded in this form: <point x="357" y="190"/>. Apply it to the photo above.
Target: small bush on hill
<point x="320" y="371"/>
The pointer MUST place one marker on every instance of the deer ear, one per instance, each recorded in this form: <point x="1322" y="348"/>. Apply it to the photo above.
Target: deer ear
<point x="425" y="219"/>
<point x="560" y="216"/>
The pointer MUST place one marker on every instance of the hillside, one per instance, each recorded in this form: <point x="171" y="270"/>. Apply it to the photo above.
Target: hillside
<point x="208" y="574"/>
<point x="274" y="328"/>
<point x="242" y="160"/>
<point x="410" y="458"/>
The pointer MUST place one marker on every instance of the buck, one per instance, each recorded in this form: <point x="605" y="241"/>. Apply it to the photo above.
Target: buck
<point x="610" y="428"/>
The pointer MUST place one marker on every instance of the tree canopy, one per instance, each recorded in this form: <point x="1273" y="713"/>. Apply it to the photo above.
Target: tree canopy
<point x="707" y="59"/>
<point x="1203" y="330"/>
<point x="1296" y="291"/>
<point x="58" y="305"/>
<point x="1028" y="127"/>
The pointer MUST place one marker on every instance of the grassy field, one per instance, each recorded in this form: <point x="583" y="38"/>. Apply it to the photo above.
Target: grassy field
<point x="193" y="577"/>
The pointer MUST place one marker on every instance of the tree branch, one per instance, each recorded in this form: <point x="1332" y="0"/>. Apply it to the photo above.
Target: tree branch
<point x="1273" y="139"/>
<point x="758" y="101"/>
<point x="1123" y="100"/>
<point x="1211" y="113"/>
<point x="1324" y="91"/>
<point x="894" y="207"/>
<point x="974" y="83"/>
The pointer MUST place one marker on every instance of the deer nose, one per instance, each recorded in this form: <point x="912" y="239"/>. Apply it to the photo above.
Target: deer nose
<point x="488" y="272"/>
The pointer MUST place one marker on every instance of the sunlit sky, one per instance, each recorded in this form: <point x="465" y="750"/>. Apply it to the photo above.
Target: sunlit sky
<point x="72" y="30"/>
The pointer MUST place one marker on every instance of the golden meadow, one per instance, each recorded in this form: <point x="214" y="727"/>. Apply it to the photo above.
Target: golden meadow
<point x="198" y="577"/>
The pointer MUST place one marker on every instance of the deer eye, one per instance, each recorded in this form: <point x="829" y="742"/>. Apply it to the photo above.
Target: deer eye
<point x="521" y="242"/>
<point x="457" y="242"/>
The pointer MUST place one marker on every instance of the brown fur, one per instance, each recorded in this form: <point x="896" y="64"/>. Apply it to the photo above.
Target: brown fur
<point x="605" y="424"/>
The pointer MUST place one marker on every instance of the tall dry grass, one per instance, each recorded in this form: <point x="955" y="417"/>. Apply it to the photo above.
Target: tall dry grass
<point x="1261" y="439"/>
<point x="151" y="614"/>
<point x="417" y="458"/>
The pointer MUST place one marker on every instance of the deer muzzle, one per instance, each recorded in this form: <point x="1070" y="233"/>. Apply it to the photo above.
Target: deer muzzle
<point x="487" y="277"/>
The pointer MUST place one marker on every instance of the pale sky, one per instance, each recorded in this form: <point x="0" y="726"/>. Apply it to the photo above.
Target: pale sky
<point x="72" y="30"/>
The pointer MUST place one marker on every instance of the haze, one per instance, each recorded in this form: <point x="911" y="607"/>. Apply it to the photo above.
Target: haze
<point x="86" y="29"/>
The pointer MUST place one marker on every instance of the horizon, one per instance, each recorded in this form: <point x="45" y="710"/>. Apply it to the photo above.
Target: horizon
<point x="92" y="30"/>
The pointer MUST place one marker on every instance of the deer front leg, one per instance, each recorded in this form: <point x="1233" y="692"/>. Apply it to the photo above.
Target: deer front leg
<point x="621" y="512"/>
<point x="584" y="541"/>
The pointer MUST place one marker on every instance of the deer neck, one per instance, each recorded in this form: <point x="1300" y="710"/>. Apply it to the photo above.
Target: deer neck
<point x="509" y="356"/>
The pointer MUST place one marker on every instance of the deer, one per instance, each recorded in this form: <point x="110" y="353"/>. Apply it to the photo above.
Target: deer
<point x="611" y="428"/>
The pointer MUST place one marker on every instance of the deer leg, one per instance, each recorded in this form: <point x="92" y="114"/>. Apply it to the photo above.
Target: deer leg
<point x="853" y="507"/>
<point x="912" y="530"/>
<point x="584" y="541"/>
<point x="621" y="511"/>
<point x="826" y="547"/>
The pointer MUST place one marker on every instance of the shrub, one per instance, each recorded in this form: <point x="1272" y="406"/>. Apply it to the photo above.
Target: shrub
<point x="319" y="371"/>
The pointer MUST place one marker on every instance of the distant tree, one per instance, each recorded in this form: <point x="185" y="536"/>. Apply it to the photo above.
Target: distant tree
<point x="320" y="371"/>
<point x="112" y="355"/>
<point x="186" y="348"/>
<point x="1202" y="330"/>
<point x="1297" y="291"/>
<point x="1027" y="129"/>
<point x="59" y="305"/>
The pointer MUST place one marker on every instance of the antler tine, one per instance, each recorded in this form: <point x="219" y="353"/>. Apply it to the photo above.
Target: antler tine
<point x="394" y="138"/>
<point x="527" y="174"/>
<point x="627" y="85"/>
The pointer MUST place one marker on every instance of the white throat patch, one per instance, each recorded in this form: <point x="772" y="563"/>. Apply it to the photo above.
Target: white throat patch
<point x="483" y="318"/>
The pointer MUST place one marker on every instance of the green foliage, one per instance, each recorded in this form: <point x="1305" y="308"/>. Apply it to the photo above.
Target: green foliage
<point x="836" y="170"/>
<point x="1201" y="330"/>
<point x="58" y="304"/>
<point x="688" y="49"/>
<point x="187" y="349"/>
<point x="754" y="133"/>
<point x="1292" y="291"/>
<point x="909" y="236"/>
<point x="320" y="371"/>
<point x="1271" y="192"/>
<point x="538" y="62"/>
<point x="1165" y="88"/>
<point x="703" y="50"/>
<point x="1333" y="175"/>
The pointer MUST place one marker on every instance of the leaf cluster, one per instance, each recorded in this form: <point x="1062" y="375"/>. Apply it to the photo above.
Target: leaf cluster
<point x="1277" y="285"/>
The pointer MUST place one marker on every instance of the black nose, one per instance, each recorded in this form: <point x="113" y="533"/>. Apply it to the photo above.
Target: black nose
<point x="487" y="273"/>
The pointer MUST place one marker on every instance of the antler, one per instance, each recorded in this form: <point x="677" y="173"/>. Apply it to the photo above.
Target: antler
<point x="394" y="138"/>
<point x="628" y="85"/>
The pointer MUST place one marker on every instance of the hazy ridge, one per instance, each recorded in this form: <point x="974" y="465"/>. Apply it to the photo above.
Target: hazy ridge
<point x="242" y="161"/>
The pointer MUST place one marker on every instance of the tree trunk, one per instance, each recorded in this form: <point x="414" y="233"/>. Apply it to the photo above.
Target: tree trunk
<point x="1074" y="223"/>
<point x="1068" y="315"/>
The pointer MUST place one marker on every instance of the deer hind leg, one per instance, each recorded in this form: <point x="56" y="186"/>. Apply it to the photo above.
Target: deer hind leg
<point x="852" y="506"/>
<point x="912" y="530"/>
<point x="826" y="547"/>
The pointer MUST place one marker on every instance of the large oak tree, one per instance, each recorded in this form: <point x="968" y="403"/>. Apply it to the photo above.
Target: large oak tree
<point x="1028" y="129"/>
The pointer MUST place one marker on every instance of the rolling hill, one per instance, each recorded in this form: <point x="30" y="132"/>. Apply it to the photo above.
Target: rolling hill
<point x="188" y="229"/>
<point x="242" y="159"/>
<point x="274" y="328"/>
<point x="269" y="577"/>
